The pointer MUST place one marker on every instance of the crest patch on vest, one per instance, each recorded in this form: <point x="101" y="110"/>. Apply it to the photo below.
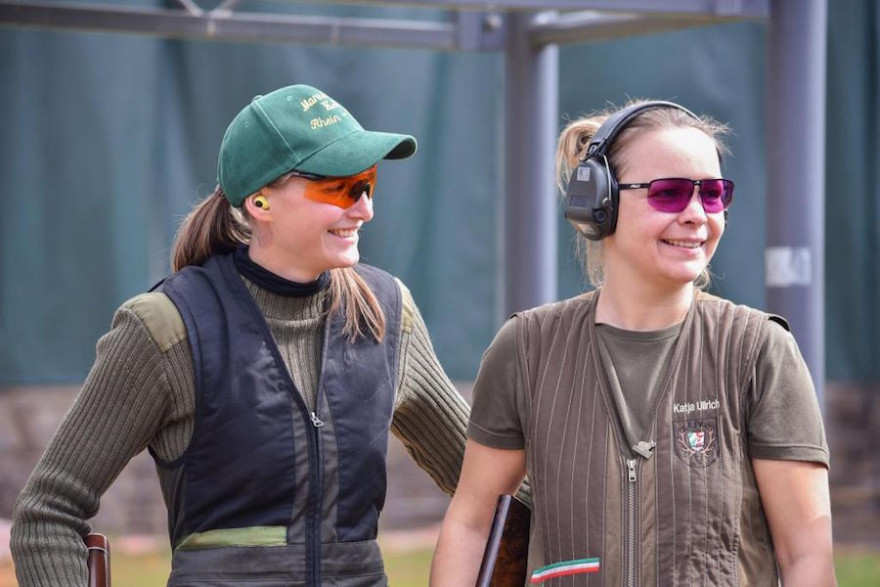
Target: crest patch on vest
<point x="696" y="441"/>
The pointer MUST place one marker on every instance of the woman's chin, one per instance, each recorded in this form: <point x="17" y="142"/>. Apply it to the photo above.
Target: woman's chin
<point x="347" y="259"/>
<point x="684" y="275"/>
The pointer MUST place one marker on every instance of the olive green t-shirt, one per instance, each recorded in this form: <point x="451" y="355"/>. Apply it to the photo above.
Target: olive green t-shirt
<point x="637" y="362"/>
<point x="782" y="414"/>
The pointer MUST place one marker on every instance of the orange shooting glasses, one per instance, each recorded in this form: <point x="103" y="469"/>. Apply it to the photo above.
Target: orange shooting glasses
<point x="343" y="192"/>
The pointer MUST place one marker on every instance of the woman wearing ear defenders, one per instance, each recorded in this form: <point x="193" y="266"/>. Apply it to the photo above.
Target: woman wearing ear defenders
<point x="670" y="436"/>
<point x="264" y="374"/>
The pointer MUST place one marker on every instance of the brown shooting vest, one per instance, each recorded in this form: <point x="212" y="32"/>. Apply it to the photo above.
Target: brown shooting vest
<point x="687" y="512"/>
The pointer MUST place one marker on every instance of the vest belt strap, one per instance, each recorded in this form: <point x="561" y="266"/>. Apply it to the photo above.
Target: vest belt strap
<point x="244" y="565"/>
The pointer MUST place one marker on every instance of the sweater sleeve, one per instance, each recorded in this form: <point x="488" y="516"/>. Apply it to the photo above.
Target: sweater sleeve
<point x="119" y="409"/>
<point x="430" y="416"/>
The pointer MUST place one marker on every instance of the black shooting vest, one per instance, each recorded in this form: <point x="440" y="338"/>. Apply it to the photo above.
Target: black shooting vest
<point x="268" y="491"/>
<point x="682" y="510"/>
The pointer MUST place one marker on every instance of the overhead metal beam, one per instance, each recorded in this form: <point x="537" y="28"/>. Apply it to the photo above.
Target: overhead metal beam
<point x="591" y="26"/>
<point x="741" y="8"/>
<point x="469" y="31"/>
<point x="255" y="28"/>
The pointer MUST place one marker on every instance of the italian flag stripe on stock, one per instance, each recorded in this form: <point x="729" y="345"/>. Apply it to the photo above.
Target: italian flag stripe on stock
<point x="575" y="567"/>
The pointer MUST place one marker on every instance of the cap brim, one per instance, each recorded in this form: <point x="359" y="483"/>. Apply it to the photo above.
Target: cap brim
<point x="357" y="151"/>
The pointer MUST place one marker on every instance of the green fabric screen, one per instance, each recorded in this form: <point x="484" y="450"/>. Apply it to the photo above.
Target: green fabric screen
<point x="852" y="186"/>
<point x="109" y="139"/>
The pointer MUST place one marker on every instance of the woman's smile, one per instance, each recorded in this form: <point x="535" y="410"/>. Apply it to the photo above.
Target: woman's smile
<point x="684" y="244"/>
<point x="350" y="234"/>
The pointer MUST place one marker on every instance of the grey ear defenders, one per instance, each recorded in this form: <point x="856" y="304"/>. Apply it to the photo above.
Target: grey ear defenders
<point x="592" y="195"/>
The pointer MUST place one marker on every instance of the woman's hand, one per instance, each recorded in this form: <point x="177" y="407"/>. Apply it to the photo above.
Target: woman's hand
<point x="798" y="508"/>
<point x="486" y="473"/>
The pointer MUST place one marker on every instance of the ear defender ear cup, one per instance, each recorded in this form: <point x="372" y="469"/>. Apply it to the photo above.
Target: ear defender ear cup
<point x="592" y="195"/>
<point x="261" y="202"/>
<point x="589" y="199"/>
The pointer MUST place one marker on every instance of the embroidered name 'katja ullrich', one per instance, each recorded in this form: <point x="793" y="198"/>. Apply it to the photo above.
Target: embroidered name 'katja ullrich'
<point x="575" y="567"/>
<point x="703" y="405"/>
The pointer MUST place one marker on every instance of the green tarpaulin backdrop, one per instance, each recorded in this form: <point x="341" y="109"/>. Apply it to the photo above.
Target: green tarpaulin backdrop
<point x="107" y="140"/>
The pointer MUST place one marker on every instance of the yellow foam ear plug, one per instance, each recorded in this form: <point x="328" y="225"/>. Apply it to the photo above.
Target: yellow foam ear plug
<point x="261" y="202"/>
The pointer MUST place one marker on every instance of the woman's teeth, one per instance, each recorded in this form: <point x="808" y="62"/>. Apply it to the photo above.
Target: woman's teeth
<point x="344" y="232"/>
<point x="685" y="244"/>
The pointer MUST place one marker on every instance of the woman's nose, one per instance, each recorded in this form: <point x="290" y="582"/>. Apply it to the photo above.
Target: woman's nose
<point x="694" y="212"/>
<point x="363" y="208"/>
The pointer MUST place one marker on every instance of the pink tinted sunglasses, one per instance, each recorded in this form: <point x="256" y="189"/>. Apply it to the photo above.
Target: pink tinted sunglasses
<point x="673" y="194"/>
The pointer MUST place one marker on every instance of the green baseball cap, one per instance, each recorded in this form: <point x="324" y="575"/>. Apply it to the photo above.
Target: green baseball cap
<point x="298" y="127"/>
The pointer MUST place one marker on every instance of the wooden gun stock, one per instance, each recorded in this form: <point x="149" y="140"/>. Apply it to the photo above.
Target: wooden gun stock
<point x="505" y="560"/>
<point x="99" y="560"/>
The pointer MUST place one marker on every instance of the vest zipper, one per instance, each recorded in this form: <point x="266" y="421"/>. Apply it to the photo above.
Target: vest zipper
<point x="632" y="525"/>
<point x="318" y="485"/>
<point x="318" y="492"/>
<point x="313" y="521"/>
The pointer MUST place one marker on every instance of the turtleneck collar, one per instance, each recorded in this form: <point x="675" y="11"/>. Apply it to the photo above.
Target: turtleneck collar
<point x="265" y="279"/>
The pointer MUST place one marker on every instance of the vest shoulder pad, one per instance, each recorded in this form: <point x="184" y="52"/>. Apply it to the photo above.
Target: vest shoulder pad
<point x="160" y="317"/>
<point x="704" y="296"/>
<point x="556" y="308"/>
<point x="407" y="318"/>
<point x="707" y="297"/>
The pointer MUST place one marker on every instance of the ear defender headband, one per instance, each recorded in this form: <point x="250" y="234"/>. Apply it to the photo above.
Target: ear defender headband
<point x="592" y="195"/>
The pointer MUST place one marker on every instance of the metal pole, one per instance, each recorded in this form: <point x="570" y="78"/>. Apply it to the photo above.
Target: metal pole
<point x="530" y="208"/>
<point x="795" y="264"/>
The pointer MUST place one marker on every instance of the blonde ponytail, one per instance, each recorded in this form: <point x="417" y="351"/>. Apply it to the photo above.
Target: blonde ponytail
<point x="570" y="150"/>
<point x="572" y="147"/>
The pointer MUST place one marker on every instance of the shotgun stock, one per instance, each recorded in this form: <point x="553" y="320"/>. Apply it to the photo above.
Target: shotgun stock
<point x="99" y="560"/>
<point x="505" y="559"/>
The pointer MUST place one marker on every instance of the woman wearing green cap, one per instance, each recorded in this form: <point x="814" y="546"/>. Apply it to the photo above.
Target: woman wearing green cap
<point x="263" y="375"/>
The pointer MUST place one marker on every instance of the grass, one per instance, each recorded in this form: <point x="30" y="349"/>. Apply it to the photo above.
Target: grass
<point x="857" y="567"/>
<point x="409" y="568"/>
<point x="404" y="569"/>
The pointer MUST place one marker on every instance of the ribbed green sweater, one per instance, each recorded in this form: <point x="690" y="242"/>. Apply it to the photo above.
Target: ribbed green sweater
<point x="141" y="392"/>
